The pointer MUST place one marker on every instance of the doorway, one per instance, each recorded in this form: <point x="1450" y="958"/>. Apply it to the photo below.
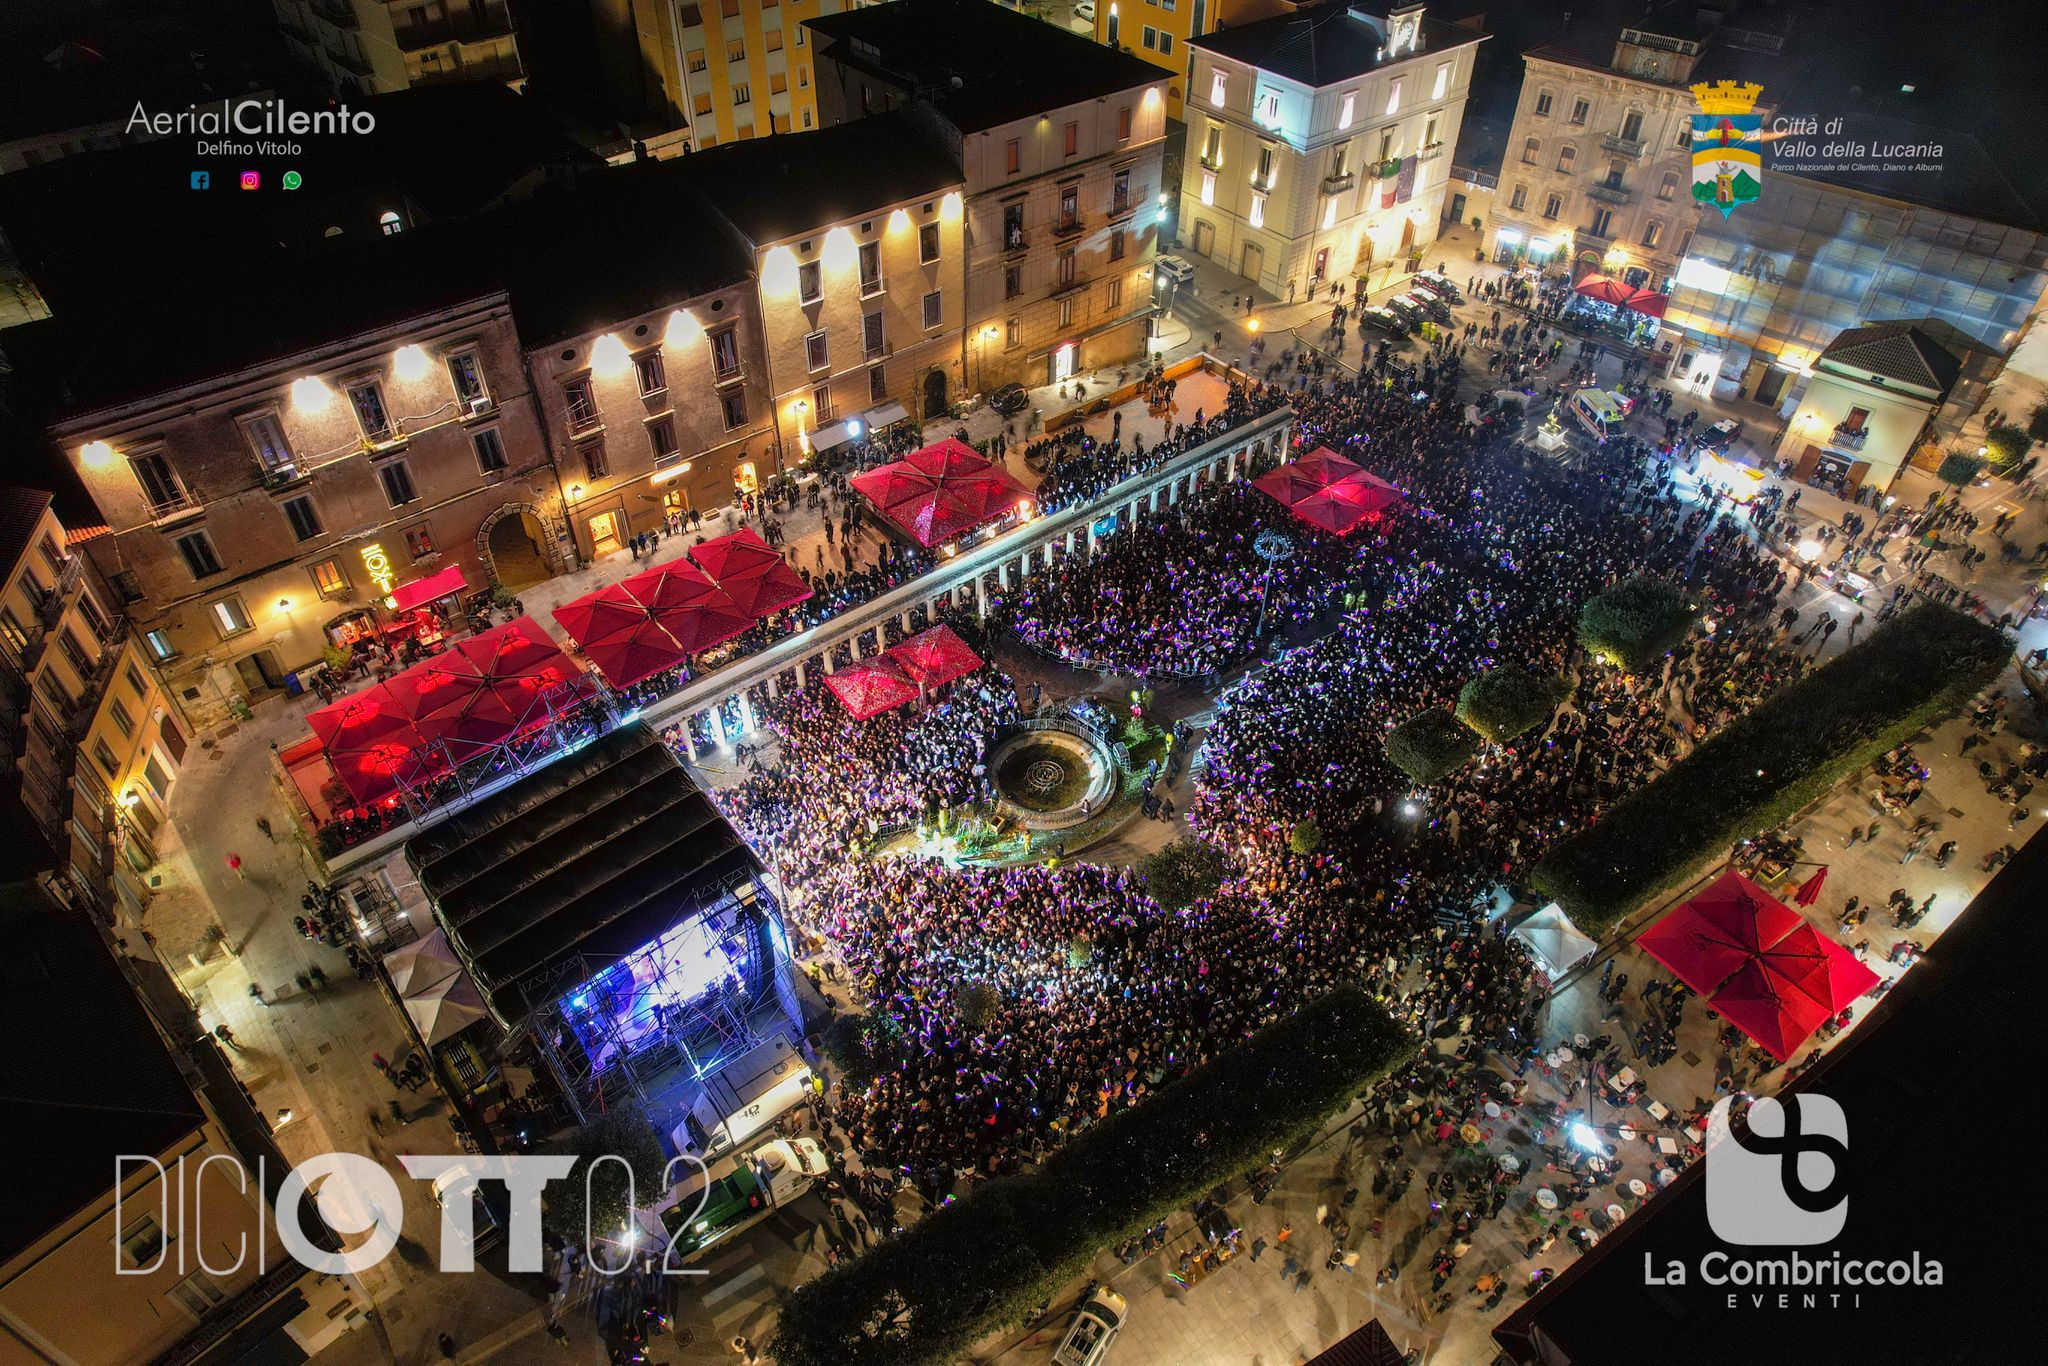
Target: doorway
<point x="515" y="543"/>
<point x="607" y="533"/>
<point x="260" y="672"/>
<point x="1254" y="262"/>
<point x="935" y="393"/>
<point x="1205" y="238"/>
<point x="1062" y="362"/>
<point x="1772" y="386"/>
<point x="1457" y="214"/>
<point x="1322" y="264"/>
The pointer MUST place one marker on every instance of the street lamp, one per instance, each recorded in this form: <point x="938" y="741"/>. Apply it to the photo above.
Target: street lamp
<point x="1275" y="548"/>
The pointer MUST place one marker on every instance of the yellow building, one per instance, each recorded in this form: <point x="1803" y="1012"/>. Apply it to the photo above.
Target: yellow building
<point x="1159" y="32"/>
<point x="718" y="70"/>
<point x="97" y="737"/>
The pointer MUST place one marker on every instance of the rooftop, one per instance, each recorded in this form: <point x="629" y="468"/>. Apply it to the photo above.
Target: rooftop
<point x="1902" y="351"/>
<point x="981" y="64"/>
<point x="20" y="510"/>
<point x="794" y="183"/>
<point x="1909" y="1077"/>
<point x="1328" y="43"/>
<point x="91" y="1079"/>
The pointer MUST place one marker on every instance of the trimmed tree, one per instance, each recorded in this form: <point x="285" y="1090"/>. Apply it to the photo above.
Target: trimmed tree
<point x="1503" y="703"/>
<point x="623" y="1131"/>
<point x="1306" y="837"/>
<point x="2007" y="445"/>
<point x="1636" y="623"/>
<point x="2037" y="422"/>
<point x="1430" y="745"/>
<point x="1183" y="873"/>
<point x="975" y="1003"/>
<point x="1959" y="469"/>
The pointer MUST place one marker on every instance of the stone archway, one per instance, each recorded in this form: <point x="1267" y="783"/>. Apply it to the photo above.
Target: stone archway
<point x="936" y="404"/>
<point x="536" y="529"/>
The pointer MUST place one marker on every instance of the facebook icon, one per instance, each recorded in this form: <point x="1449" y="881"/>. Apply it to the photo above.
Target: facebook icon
<point x="202" y="180"/>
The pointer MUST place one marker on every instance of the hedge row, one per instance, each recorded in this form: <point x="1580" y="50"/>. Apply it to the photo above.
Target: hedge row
<point x="981" y="1263"/>
<point x="1916" y="668"/>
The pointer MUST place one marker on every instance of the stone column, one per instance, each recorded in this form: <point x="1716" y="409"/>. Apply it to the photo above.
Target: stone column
<point x="981" y="596"/>
<point x="775" y="685"/>
<point x="748" y="724"/>
<point x="802" y="674"/>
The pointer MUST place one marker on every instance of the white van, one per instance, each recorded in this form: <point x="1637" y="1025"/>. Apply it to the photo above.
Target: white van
<point x="742" y="1098"/>
<point x="1093" y="1331"/>
<point x="1598" y="413"/>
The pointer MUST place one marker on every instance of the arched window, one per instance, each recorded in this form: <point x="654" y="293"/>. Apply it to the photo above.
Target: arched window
<point x="389" y="223"/>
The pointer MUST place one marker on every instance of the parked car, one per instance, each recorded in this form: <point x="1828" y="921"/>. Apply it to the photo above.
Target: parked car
<point x="1383" y="320"/>
<point x="1720" y="436"/>
<point x="1175" y="269"/>
<point x="1428" y="305"/>
<point x="1404" y="309"/>
<point x="1439" y="285"/>
<point x="1094" y="1329"/>
<point x="1009" y="400"/>
<point x="1085" y="9"/>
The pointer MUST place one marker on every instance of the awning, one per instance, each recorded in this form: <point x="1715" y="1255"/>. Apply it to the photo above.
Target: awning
<point x="407" y="596"/>
<point x="1327" y="491"/>
<point x="869" y="687"/>
<point x="936" y="656"/>
<point x="884" y="415"/>
<point x="835" y="434"/>
<point x="1554" y="940"/>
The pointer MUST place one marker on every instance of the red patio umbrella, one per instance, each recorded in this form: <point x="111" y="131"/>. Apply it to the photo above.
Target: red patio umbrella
<point x="1809" y="890"/>
<point x="935" y="657"/>
<point x="1343" y="506"/>
<point x="482" y="692"/>
<point x="1819" y="967"/>
<point x="596" y="615"/>
<point x="751" y="572"/>
<point x="1705" y="940"/>
<point x="1648" y="302"/>
<point x="1325" y="466"/>
<point x="367" y="737"/>
<point x="1604" y="288"/>
<point x="869" y="687"/>
<point x="1769" y="1009"/>
<point x="940" y="492"/>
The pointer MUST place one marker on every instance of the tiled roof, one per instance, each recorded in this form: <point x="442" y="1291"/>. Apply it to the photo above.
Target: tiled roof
<point x="20" y="510"/>
<point x="1899" y="351"/>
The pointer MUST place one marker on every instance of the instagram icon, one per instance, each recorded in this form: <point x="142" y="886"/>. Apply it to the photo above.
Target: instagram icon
<point x="252" y="180"/>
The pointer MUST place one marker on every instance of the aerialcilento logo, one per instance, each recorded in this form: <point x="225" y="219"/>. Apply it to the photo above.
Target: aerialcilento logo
<point x="1727" y="145"/>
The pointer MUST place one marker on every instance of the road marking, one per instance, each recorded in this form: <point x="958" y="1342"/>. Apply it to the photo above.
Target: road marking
<point x="726" y="1290"/>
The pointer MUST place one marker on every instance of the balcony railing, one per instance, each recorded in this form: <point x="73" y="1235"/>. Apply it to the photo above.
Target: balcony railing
<point x="185" y="500"/>
<point x="1015" y="240"/>
<point x="1610" y="192"/>
<point x="1628" y="147"/>
<point x="1339" y="182"/>
<point x="1067" y="227"/>
<point x="464" y="27"/>
<point x="339" y="13"/>
<point x="1429" y="153"/>
<point x="280" y="475"/>
<point x="1849" y="438"/>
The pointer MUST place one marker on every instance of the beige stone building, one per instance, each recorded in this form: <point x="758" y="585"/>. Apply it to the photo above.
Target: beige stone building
<point x="1319" y="142"/>
<point x="369" y="47"/>
<point x="1869" y="404"/>
<point x="1059" y="143"/>
<point x="266" y="501"/>
<point x="85" y="718"/>
<point x="1597" y="171"/>
<point x="857" y="254"/>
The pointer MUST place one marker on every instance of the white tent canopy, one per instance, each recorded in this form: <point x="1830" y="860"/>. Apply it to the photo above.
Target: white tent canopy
<point x="421" y="964"/>
<point x="1554" y="940"/>
<point x="445" y="1009"/>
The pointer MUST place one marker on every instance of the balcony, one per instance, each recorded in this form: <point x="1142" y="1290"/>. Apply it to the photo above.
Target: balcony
<point x="1016" y="239"/>
<point x="339" y="13"/>
<point x="1339" y="182"/>
<point x="1429" y="153"/>
<point x="183" y="503"/>
<point x="1628" y="147"/>
<point x="1119" y="205"/>
<point x="1610" y="192"/>
<point x="1847" y="438"/>
<point x="465" y="27"/>
<point x="1588" y="239"/>
<point x="274" y="477"/>
<point x="1067" y="227"/>
<point x="1211" y="163"/>
<point x="1066" y="288"/>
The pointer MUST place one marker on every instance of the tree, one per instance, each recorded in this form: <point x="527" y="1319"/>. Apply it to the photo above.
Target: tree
<point x="975" y="1003"/>
<point x="1636" y="623"/>
<point x="2006" y="446"/>
<point x="2037" y="422"/>
<point x="1306" y="837"/>
<point x="1503" y="703"/>
<point x="1959" y="469"/>
<point x="862" y="1046"/>
<point x="623" y="1131"/>
<point x="1080" y="952"/>
<point x="1182" y="873"/>
<point x="1430" y="745"/>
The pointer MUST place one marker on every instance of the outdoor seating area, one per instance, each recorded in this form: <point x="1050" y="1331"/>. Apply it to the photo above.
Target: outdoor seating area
<point x="941" y="492"/>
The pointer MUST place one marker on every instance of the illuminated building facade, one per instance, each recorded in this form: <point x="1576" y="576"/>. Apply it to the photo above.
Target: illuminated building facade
<point x="1318" y="143"/>
<point x="369" y="47"/>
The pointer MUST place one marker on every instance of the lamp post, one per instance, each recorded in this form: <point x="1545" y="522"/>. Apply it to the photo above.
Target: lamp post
<point x="1275" y="548"/>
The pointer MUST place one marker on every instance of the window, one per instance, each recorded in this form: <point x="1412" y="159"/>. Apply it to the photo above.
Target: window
<point x="661" y="439"/>
<point x="1013" y="333"/>
<point x="1668" y="187"/>
<point x="466" y="373"/>
<point x="1264" y="177"/>
<point x="1013" y="156"/>
<point x="490" y="450"/>
<point x="741" y="94"/>
<point x="878" y="385"/>
<point x="1552" y="206"/>
<point x="1602" y="224"/>
<point x="1565" y="157"/>
<point x="733" y="402"/>
<point x="159" y="483"/>
<point x="1519" y="200"/>
<point x="934" y="310"/>
<point x="1212" y="148"/>
<point x="1219" y="88"/>
<point x="928" y="243"/>
<point x="648" y="370"/>
<point x="816" y="355"/>
<point x="160" y="646"/>
<point x="808" y="286"/>
<point x="870" y="268"/>
<point x="230" y="618"/>
<point x="1429" y="127"/>
<point x="397" y="481"/>
<point x="821" y="405"/>
<point x="102" y="752"/>
<point x="1632" y="125"/>
<point x="595" y="466"/>
<point x="367" y="398"/>
<point x="1268" y="110"/>
<point x="142" y="1242"/>
<point x="1394" y="96"/>
<point x="1070" y="206"/>
<point x="1683" y="139"/>
<point x="1013" y="226"/>
<point x="1123" y="124"/>
<point x="1531" y="151"/>
<point x="1330" y="212"/>
<point x="1120" y="192"/>
<point x="328" y="579"/>
<point x="1072" y="139"/>
<point x="1580" y="109"/>
<point x="696" y="62"/>
<point x="1066" y="313"/>
<point x="419" y="541"/>
<point x="389" y="223"/>
<point x="200" y="556"/>
<point x="736" y="50"/>
<point x="1443" y="81"/>
<point x="725" y="353"/>
<point x="1543" y="104"/>
<point x="1165" y="43"/>
<point x="1067" y="266"/>
<point x="265" y="435"/>
<point x="1116" y="244"/>
<point x="872" y="341"/>
<point x="1653" y="233"/>
<point x="1347" y="108"/>
<point x="303" y="516"/>
<point x="581" y="403"/>
<point x="1013" y="281"/>
<point x="123" y="718"/>
<point x="1257" y="217"/>
<point x="11" y="632"/>
<point x="803" y="73"/>
<point x="1208" y="187"/>
<point x="1116" y="291"/>
<point x="134" y="678"/>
